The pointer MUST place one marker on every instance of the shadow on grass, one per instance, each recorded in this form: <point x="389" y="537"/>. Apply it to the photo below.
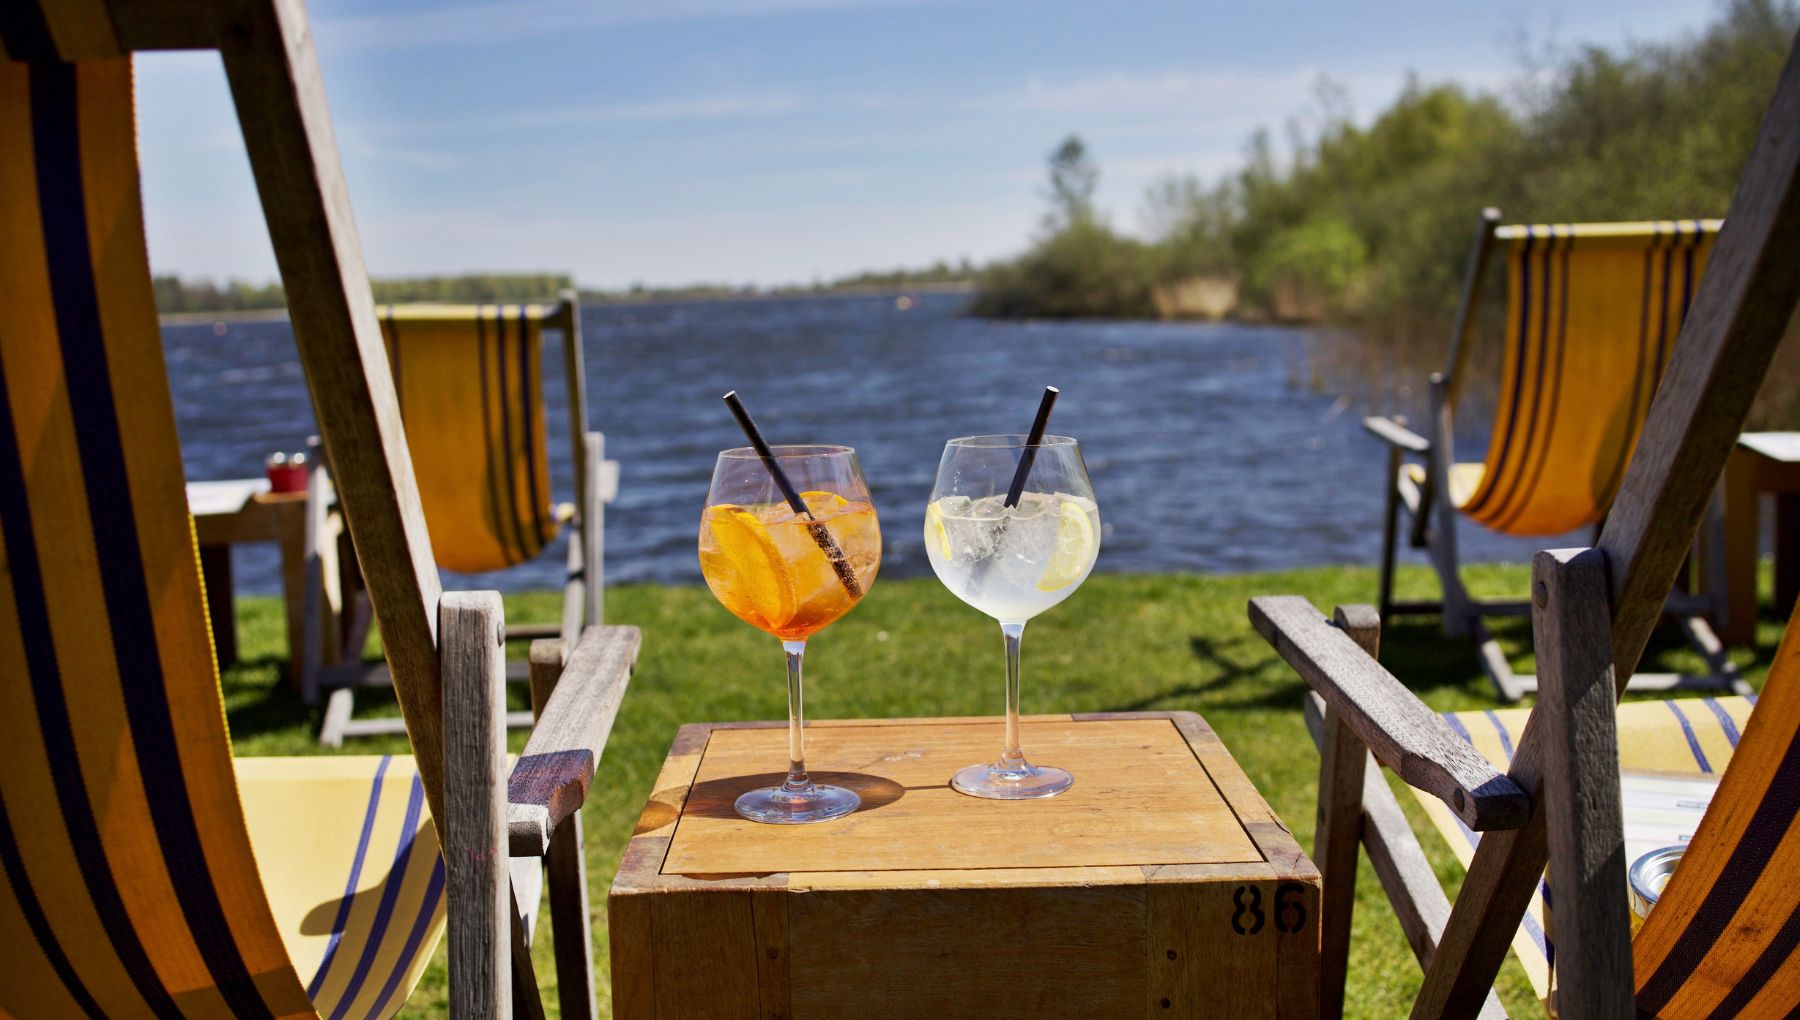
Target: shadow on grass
<point x="259" y="698"/>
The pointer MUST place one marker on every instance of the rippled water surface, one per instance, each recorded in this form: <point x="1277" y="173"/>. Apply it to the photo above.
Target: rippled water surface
<point x="1208" y="451"/>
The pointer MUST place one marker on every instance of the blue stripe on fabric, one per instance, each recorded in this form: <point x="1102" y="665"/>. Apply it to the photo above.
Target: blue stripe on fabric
<point x="529" y="409"/>
<point x="1726" y="723"/>
<point x="1751" y="698"/>
<point x="1532" y="927"/>
<point x="24" y="574"/>
<point x="1506" y="743"/>
<point x="384" y="910"/>
<point x="433" y="892"/>
<point x="1687" y="730"/>
<point x="1536" y="931"/>
<point x="356" y="865"/>
<point x="74" y="293"/>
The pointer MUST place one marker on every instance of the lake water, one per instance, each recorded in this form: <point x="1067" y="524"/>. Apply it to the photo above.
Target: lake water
<point x="1209" y="447"/>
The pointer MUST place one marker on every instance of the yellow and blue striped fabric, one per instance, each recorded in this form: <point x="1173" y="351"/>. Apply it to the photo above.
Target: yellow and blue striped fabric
<point x="129" y="876"/>
<point x="1724" y="939"/>
<point x="1593" y="311"/>
<point x="360" y="900"/>
<point x="471" y="397"/>
<point x="1686" y="737"/>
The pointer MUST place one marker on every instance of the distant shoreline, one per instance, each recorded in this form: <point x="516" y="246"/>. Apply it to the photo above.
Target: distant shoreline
<point x="647" y="298"/>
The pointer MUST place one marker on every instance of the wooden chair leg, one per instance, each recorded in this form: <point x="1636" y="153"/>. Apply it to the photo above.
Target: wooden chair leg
<point x="593" y="531"/>
<point x="1573" y="631"/>
<point x="1390" y="526"/>
<point x="569" y="926"/>
<point x="527" y="1001"/>
<point x="1787" y="553"/>
<point x="1341" y="769"/>
<point x="471" y="630"/>
<point x="574" y="605"/>
<point x="566" y="866"/>
<point x="1418" y="902"/>
<point x="1442" y="536"/>
<point x="215" y="570"/>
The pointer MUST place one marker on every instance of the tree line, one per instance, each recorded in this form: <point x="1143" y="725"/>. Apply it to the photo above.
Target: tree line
<point x="175" y="294"/>
<point x="1370" y="225"/>
<point x="178" y="295"/>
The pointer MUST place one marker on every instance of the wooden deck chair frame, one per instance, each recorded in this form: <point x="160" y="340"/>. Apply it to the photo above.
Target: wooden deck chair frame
<point x="1434" y="518"/>
<point x="445" y="649"/>
<point x="1593" y="611"/>
<point x="584" y="587"/>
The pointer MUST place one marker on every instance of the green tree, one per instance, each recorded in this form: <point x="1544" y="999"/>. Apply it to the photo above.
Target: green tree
<point x="1073" y="177"/>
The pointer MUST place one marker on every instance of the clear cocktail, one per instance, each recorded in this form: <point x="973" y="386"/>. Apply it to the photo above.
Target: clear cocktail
<point x="1012" y="562"/>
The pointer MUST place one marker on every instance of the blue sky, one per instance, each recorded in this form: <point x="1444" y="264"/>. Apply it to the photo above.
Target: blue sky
<point x="771" y="141"/>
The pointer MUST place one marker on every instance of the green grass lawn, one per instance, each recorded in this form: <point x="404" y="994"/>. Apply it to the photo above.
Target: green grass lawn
<point x="1123" y="643"/>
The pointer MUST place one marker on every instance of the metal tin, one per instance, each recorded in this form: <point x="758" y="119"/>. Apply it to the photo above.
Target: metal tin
<point x="1649" y="874"/>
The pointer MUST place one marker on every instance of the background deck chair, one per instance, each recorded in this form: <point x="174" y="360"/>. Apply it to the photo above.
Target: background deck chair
<point x="1593" y="311"/>
<point x="1557" y="802"/>
<point x="470" y="380"/>
<point x="143" y="872"/>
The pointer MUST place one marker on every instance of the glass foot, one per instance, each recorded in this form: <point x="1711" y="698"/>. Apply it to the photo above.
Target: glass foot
<point x="778" y="805"/>
<point x="1029" y="782"/>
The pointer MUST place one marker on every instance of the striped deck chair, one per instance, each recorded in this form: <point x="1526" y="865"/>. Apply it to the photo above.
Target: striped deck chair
<point x="470" y="380"/>
<point x="143" y="871"/>
<point x="1724" y="941"/>
<point x="1593" y="310"/>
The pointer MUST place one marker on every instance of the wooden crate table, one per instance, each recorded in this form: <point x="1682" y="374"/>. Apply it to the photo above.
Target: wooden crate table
<point x="1160" y="885"/>
<point x="244" y="510"/>
<point x="1762" y="462"/>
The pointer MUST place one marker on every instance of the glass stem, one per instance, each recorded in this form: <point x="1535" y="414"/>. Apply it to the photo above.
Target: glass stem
<point x="1012" y="759"/>
<point x="797" y="780"/>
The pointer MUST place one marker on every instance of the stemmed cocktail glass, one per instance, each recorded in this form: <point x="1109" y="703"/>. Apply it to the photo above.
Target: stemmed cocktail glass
<point x="789" y="542"/>
<point x="1012" y="552"/>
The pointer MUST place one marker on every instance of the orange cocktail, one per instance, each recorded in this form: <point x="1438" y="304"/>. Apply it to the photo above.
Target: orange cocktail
<point x="767" y="565"/>
<point x="788" y="543"/>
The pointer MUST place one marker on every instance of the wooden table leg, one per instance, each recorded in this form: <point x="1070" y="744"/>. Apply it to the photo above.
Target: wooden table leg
<point x="293" y="585"/>
<point x="1741" y="527"/>
<point x="215" y="571"/>
<point x="1787" y="552"/>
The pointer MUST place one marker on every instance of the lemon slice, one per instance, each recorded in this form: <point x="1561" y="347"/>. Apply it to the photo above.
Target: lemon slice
<point x="935" y="530"/>
<point x="1074" y="549"/>
<point x="745" y="569"/>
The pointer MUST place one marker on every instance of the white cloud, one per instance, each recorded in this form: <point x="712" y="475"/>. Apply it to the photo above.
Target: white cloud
<point x="523" y="19"/>
<point x="1164" y="92"/>
<point x="412" y="159"/>
<point x="697" y="108"/>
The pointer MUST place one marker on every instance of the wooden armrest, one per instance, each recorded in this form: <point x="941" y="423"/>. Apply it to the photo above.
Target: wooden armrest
<point x="1398" y="728"/>
<point x="1394" y="432"/>
<point x="551" y="778"/>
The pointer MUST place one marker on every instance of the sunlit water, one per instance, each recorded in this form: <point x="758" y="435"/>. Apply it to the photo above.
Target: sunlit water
<point x="1211" y="447"/>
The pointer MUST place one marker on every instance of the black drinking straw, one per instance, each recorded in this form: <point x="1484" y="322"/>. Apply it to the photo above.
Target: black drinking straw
<point x="1031" y="444"/>
<point x="788" y="491"/>
<point x="819" y="533"/>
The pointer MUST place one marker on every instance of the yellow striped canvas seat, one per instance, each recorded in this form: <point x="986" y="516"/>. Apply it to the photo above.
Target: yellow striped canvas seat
<point x="1689" y="738"/>
<point x="471" y="396"/>
<point x="1722" y="940"/>
<point x="144" y="873"/>
<point x="1593" y="311"/>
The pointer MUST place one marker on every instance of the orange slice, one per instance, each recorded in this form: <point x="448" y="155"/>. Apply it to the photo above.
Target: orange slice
<point x="745" y="570"/>
<point x="823" y="504"/>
